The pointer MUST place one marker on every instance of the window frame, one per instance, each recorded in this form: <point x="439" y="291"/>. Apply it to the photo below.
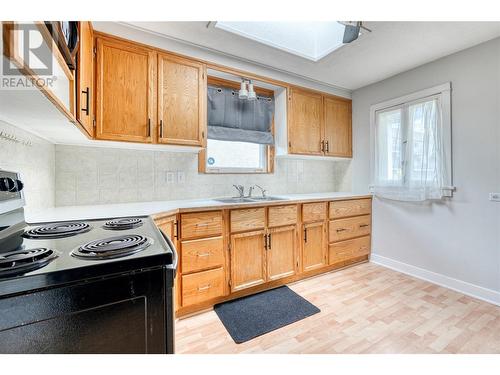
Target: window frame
<point x="269" y="149"/>
<point x="443" y="94"/>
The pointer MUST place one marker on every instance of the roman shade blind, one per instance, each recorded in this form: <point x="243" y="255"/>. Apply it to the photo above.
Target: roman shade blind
<point x="242" y="120"/>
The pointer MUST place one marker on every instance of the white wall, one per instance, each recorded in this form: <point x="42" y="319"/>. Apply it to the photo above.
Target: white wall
<point x="36" y="163"/>
<point x="459" y="238"/>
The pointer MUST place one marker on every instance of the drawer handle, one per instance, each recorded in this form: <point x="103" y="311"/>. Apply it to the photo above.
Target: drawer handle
<point x="203" y="288"/>
<point x="364" y="225"/>
<point x="202" y="224"/>
<point x="202" y="255"/>
<point x="341" y="230"/>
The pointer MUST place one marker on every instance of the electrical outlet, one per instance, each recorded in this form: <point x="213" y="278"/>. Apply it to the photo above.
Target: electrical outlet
<point x="495" y="197"/>
<point x="181" y="177"/>
<point x="169" y="177"/>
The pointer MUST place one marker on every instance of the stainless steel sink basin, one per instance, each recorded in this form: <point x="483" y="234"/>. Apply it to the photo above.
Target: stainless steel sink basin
<point x="264" y="199"/>
<point x="248" y="200"/>
<point x="234" y="200"/>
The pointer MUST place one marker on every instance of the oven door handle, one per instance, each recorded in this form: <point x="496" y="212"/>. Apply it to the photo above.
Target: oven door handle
<point x="175" y="258"/>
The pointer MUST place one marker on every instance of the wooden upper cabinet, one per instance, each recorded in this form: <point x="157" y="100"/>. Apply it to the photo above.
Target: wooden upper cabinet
<point x="182" y="91"/>
<point x="84" y="81"/>
<point x="125" y="91"/>
<point x="318" y="124"/>
<point x="305" y="112"/>
<point x="338" y="138"/>
<point x="248" y="260"/>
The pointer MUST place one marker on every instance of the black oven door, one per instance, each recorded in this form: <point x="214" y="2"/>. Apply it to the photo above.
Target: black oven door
<point x="121" y="314"/>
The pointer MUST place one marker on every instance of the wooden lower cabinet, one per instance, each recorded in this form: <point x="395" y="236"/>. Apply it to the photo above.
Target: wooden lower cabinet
<point x="202" y="254"/>
<point x="348" y="249"/>
<point x="248" y="260"/>
<point x="202" y="286"/>
<point x="168" y="225"/>
<point x="230" y="253"/>
<point x="355" y="207"/>
<point x="201" y="224"/>
<point x="281" y="255"/>
<point x="314" y="246"/>
<point x="343" y="229"/>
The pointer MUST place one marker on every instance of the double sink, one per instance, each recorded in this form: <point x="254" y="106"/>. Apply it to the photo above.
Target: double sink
<point x="249" y="199"/>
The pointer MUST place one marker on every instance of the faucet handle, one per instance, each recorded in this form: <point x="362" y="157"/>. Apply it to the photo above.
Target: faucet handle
<point x="241" y="189"/>
<point x="262" y="190"/>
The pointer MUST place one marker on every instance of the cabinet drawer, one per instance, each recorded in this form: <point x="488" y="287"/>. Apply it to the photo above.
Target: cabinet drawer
<point x="356" y="207"/>
<point x="313" y="212"/>
<point x="202" y="286"/>
<point x="343" y="229"/>
<point x="282" y="215"/>
<point x="248" y="219"/>
<point x="201" y="224"/>
<point x="201" y="254"/>
<point x="344" y="250"/>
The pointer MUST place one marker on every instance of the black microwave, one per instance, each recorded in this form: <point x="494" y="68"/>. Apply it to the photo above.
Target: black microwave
<point x="66" y="37"/>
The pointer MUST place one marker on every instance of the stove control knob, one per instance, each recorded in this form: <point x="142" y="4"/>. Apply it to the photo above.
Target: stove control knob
<point x="10" y="185"/>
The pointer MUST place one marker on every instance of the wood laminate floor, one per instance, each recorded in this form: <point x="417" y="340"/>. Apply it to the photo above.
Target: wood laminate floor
<point x="364" y="309"/>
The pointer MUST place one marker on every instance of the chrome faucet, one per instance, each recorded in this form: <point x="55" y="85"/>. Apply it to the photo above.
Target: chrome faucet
<point x="241" y="190"/>
<point x="262" y="190"/>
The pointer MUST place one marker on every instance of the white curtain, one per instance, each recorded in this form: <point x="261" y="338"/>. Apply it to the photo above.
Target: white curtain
<point x="409" y="152"/>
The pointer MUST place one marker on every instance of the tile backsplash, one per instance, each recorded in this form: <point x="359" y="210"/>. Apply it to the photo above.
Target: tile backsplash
<point x="94" y="175"/>
<point x="35" y="162"/>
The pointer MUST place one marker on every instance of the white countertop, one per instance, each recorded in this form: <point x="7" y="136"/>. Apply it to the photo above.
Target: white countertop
<point x="102" y="211"/>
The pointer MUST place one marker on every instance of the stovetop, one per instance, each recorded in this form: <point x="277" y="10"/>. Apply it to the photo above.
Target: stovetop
<point x="71" y="251"/>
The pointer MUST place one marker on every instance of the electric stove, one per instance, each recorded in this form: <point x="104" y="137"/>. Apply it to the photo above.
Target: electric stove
<point x="83" y="286"/>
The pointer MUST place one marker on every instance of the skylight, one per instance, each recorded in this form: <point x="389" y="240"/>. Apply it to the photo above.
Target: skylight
<point x="310" y="40"/>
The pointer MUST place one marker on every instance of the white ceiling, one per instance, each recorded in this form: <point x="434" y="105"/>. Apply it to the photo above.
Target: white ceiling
<point x="392" y="48"/>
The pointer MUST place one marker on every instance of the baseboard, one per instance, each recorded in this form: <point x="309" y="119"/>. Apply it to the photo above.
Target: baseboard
<point x="476" y="291"/>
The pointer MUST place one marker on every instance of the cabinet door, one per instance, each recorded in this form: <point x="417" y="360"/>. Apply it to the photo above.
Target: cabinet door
<point x="84" y="86"/>
<point x="181" y="101"/>
<point x="338" y="137"/>
<point x="305" y="122"/>
<point x="314" y="246"/>
<point x="168" y="226"/>
<point x="248" y="260"/>
<point x="125" y="92"/>
<point x="281" y="256"/>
